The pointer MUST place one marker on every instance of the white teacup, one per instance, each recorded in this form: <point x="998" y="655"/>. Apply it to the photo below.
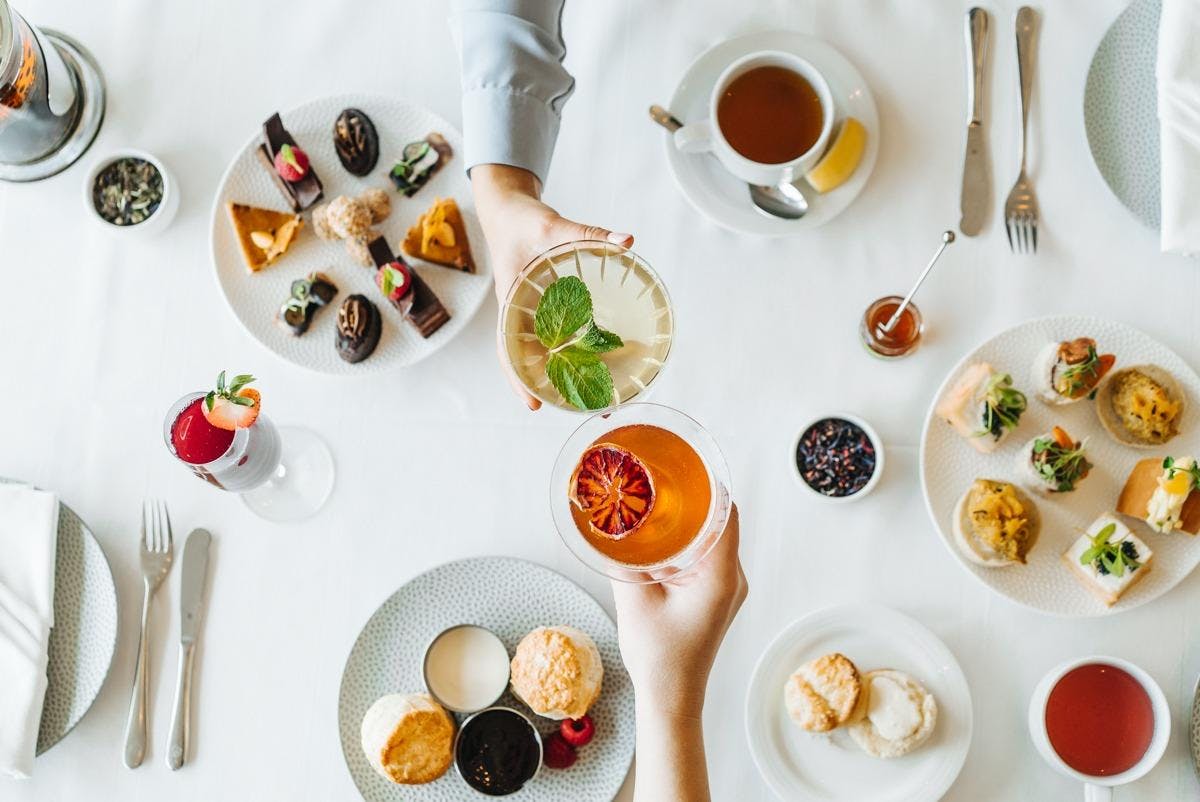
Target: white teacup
<point x="706" y="135"/>
<point x="1099" y="789"/>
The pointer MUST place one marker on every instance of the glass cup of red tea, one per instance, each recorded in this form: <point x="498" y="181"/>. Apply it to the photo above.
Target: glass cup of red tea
<point x="1100" y="720"/>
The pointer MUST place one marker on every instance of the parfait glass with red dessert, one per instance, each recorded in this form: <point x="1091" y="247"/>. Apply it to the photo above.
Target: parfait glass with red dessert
<point x="283" y="473"/>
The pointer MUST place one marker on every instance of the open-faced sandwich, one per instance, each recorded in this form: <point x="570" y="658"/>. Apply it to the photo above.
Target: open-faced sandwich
<point x="995" y="524"/>
<point x="1164" y="494"/>
<point x="1069" y="371"/>
<point x="1141" y="406"/>
<point x="982" y="406"/>
<point x="1108" y="558"/>
<point x="1053" y="463"/>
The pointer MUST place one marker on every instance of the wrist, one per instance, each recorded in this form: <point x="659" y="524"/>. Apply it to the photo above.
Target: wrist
<point x="492" y="180"/>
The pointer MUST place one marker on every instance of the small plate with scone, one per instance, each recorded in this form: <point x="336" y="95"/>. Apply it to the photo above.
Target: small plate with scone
<point x="858" y="703"/>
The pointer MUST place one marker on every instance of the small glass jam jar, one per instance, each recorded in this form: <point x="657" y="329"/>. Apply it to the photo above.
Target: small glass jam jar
<point x="904" y="336"/>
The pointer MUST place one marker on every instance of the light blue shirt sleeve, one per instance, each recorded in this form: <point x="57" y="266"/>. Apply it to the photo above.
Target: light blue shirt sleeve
<point x="514" y="85"/>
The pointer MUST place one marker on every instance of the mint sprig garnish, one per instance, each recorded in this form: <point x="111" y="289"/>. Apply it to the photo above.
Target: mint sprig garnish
<point x="230" y="392"/>
<point x="564" y="324"/>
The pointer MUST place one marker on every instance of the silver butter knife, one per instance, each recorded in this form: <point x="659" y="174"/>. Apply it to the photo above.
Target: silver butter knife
<point x="191" y="599"/>
<point x="976" y="184"/>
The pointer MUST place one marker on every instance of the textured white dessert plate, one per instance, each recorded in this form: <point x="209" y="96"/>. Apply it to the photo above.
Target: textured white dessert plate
<point x="949" y="465"/>
<point x="84" y="637"/>
<point x="256" y="297"/>
<point x="806" y="767"/>
<point x="721" y="196"/>
<point x="509" y="597"/>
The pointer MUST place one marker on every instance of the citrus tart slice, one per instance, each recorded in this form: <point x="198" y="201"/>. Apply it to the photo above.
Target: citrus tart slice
<point x="440" y="236"/>
<point x="263" y="234"/>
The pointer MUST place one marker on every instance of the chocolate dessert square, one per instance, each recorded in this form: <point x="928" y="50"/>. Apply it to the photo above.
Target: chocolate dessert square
<point x="420" y="307"/>
<point x="302" y="194"/>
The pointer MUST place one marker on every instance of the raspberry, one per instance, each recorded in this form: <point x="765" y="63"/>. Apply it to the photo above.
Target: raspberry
<point x="557" y="753"/>
<point x="578" y="732"/>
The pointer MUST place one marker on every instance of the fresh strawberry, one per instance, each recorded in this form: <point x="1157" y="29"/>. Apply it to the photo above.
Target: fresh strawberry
<point x="394" y="279"/>
<point x="291" y="163"/>
<point x="557" y="753"/>
<point x="232" y="407"/>
<point x="578" y="732"/>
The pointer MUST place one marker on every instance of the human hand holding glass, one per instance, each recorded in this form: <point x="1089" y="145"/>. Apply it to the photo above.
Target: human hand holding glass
<point x="669" y="635"/>
<point x="519" y="226"/>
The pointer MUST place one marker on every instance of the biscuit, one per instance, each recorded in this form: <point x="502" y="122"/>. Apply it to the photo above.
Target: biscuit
<point x="408" y="738"/>
<point x="557" y="672"/>
<point x="908" y="721"/>
<point x="821" y="695"/>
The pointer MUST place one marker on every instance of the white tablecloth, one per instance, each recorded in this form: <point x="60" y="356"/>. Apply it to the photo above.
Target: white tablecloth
<point x="99" y="335"/>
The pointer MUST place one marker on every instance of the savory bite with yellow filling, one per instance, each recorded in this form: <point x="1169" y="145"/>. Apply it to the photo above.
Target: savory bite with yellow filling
<point x="1141" y="406"/>
<point x="995" y="524"/>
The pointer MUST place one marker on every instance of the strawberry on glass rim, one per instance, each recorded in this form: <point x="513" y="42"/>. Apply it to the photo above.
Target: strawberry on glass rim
<point x="233" y="406"/>
<point x="614" y="488"/>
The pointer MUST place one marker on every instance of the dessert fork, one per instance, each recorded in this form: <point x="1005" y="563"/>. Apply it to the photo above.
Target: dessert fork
<point x="156" y="564"/>
<point x="1021" y="208"/>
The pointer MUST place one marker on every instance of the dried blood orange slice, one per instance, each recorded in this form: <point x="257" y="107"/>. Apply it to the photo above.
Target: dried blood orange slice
<point x="614" y="489"/>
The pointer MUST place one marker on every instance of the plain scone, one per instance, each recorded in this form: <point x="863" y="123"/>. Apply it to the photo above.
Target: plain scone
<point x="821" y="695"/>
<point x="867" y="735"/>
<point x="557" y="672"/>
<point x="408" y="738"/>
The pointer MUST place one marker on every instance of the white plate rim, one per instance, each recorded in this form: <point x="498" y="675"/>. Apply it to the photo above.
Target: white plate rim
<point x="931" y="644"/>
<point x="779" y="227"/>
<point x="367" y="366"/>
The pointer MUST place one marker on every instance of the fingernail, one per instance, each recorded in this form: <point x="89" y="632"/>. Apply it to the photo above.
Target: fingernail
<point x="619" y="239"/>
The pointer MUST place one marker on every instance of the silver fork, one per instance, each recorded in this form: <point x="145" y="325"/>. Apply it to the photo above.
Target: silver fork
<point x="1021" y="208"/>
<point x="156" y="563"/>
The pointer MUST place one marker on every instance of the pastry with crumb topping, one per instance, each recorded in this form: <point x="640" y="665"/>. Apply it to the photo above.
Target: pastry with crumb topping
<point x="557" y="672"/>
<point x="408" y="738"/>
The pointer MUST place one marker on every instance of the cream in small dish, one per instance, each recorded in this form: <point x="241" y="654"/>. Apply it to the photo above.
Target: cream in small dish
<point x="466" y="668"/>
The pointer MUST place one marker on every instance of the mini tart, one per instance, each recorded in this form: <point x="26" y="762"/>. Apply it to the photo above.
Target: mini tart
<point x="979" y="553"/>
<point x="263" y="234"/>
<point x="408" y="738"/>
<point x="440" y="236"/>
<point x="557" y="672"/>
<point x="1158" y="430"/>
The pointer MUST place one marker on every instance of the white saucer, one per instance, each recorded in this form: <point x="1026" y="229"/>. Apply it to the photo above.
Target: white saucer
<point x="806" y="767"/>
<point x="724" y="198"/>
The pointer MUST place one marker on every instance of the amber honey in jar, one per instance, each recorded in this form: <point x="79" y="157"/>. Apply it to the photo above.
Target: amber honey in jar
<point x="904" y="335"/>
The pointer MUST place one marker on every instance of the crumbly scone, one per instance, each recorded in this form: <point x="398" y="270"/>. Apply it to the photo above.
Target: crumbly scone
<point x="821" y="695"/>
<point x="378" y="203"/>
<point x="348" y="217"/>
<point x="408" y="738"/>
<point x="900" y="714"/>
<point x="357" y="248"/>
<point x="557" y="672"/>
<point x="320" y="223"/>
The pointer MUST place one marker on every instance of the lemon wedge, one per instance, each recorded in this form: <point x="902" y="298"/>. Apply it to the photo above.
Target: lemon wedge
<point x="842" y="158"/>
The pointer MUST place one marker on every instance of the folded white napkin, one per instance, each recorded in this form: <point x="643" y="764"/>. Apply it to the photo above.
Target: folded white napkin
<point x="1179" y="124"/>
<point x="28" y="539"/>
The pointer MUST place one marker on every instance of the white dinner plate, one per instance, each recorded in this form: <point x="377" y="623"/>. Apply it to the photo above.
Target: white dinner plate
<point x="806" y="767"/>
<point x="256" y="297"/>
<point x="722" y="197"/>
<point x="949" y="465"/>
<point x="510" y="597"/>
<point x="84" y="637"/>
<point x="1120" y="110"/>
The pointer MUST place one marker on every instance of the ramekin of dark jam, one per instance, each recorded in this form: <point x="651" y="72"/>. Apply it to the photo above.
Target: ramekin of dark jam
<point x="838" y="457"/>
<point x="497" y="751"/>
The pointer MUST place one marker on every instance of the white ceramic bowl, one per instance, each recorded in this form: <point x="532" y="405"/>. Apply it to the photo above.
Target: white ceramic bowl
<point x="871" y="435"/>
<point x="167" y="207"/>
<point x="1099" y="789"/>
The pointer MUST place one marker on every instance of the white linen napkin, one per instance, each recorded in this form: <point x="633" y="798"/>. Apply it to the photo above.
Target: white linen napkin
<point x="1179" y="124"/>
<point x="28" y="539"/>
